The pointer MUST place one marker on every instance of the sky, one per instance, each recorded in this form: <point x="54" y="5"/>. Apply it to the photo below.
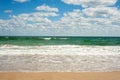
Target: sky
<point x="60" y="18"/>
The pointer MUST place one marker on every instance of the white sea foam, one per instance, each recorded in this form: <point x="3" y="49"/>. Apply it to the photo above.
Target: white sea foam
<point x="59" y="58"/>
<point x="60" y="49"/>
<point x="47" y="38"/>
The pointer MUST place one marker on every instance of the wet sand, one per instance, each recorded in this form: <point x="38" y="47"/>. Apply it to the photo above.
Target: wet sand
<point x="60" y="76"/>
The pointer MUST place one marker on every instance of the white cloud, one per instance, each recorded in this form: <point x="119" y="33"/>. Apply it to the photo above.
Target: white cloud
<point x="46" y="8"/>
<point x="96" y="18"/>
<point x="101" y="12"/>
<point x="36" y="22"/>
<point x="103" y="21"/>
<point x="92" y="21"/>
<point x="45" y="14"/>
<point x="91" y="3"/>
<point x="21" y="1"/>
<point x="8" y="11"/>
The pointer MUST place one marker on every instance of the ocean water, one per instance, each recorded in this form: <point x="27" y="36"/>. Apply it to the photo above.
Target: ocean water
<point x="40" y="41"/>
<point x="30" y="54"/>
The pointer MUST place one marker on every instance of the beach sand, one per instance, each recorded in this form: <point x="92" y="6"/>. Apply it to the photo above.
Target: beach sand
<point x="60" y="76"/>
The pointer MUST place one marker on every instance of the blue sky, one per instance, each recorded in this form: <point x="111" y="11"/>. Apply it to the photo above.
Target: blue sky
<point x="59" y="17"/>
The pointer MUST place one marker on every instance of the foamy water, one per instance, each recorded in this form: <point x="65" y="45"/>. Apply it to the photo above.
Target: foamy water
<point x="60" y="58"/>
<point x="60" y="49"/>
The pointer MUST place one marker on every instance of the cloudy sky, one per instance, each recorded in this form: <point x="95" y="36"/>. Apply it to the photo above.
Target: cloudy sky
<point x="59" y="17"/>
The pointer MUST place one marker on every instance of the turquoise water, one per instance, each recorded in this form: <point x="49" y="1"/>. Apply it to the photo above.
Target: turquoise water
<point x="38" y="41"/>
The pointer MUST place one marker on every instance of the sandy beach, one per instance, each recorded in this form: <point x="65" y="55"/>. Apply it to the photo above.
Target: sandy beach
<point x="60" y="76"/>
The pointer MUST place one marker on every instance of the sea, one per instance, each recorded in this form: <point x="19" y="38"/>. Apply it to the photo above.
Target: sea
<point x="58" y="40"/>
<point x="59" y="53"/>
